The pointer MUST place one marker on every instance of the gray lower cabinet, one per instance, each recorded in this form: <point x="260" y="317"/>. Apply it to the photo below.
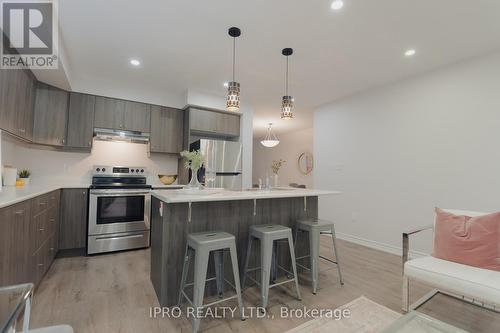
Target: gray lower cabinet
<point x="14" y="243"/>
<point x="28" y="231"/>
<point x="137" y="117"/>
<point x="73" y="225"/>
<point x="80" y="121"/>
<point x="17" y="98"/>
<point x="51" y="112"/>
<point x="214" y="123"/>
<point x="167" y="127"/>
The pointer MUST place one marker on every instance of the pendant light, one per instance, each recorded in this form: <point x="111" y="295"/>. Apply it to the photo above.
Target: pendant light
<point x="271" y="140"/>
<point x="233" y="87"/>
<point x="287" y="102"/>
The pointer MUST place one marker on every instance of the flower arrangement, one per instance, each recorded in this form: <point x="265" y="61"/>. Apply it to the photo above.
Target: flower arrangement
<point x="276" y="165"/>
<point x="194" y="162"/>
<point x="194" y="159"/>
<point x="24" y="173"/>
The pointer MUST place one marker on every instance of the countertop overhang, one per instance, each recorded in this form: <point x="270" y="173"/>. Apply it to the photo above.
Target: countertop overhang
<point x="182" y="196"/>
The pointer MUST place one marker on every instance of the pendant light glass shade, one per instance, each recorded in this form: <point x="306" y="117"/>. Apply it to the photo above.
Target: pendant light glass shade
<point x="286" y="107"/>
<point x="271" y="140"/>
<point x="287" y="101"/>
<point x="233" y="96"/>
<point x="233" y="87"/>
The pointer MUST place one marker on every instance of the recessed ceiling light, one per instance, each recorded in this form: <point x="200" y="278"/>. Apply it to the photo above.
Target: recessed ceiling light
<point x="226" y="84"/>
<point x="337" y="4"/>
<point x="410" y="52"/>
<point x="135" y="62"/>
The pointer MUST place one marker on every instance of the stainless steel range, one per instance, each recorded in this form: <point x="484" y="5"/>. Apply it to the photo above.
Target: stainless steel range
<point x="119" y="209"/>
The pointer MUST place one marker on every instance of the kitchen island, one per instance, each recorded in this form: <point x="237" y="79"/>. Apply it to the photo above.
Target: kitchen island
<point x="176" y="213"/>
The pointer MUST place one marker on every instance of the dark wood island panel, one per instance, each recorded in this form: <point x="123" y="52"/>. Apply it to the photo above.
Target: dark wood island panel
<point x="169" y="231"/>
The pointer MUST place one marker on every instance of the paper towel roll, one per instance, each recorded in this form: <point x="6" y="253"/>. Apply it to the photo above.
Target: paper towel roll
<point x="9" y="176"/>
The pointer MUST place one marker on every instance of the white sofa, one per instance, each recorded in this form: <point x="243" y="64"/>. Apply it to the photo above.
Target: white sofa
<point x="472" y="284"/>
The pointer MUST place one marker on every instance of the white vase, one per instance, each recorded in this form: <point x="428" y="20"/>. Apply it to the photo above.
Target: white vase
<point x="275" y="180"/>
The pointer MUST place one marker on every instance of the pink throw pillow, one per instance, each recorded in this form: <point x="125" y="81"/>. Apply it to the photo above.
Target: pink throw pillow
<point x="472" y="241"/>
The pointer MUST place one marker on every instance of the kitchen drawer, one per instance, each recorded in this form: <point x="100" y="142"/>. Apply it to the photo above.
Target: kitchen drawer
<point x="39" y="230"/>
<point x="40" y="262"/>
<point x="53" y="199"/>
<point x="40" y="203"/>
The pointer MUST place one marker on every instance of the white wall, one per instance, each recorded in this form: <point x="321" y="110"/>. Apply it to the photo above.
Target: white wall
<point x="246" y="128"/>
<point x="289" y="149"/>
<point x="56" y="166"/>
<point x="398" y="151"/>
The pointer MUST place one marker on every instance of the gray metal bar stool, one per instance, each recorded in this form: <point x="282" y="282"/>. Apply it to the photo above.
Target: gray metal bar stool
<point x="202" y="244"/>
<point x="267" y="234"/>
<point x="315" y="228"/>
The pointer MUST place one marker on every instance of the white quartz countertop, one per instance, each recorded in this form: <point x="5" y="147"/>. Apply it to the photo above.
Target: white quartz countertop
<point x="179" y="196"/>
<point x="11" y="195"/>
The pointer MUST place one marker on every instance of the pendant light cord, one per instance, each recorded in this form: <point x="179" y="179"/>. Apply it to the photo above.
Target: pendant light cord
<point x="234" y="55"/>
<point x="286" y="78"/>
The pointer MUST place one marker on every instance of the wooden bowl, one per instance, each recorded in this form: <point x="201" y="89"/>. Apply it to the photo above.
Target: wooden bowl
<point x="167" y="179"/>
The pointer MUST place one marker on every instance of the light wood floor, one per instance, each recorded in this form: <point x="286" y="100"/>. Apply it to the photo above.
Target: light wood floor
<point x="112" y="293"/>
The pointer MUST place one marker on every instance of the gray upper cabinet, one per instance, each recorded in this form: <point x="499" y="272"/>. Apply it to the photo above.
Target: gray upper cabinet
<point x="17" y="95"/>
<point x="109" y="113"/>
<point x="80" y="121"/>
<point x="137" y="116"/>
<point x="214" y="123"/>
<point x="167" y="127"/>
<point x="51" y="113"/>
<point x="228" y="124"/>
<point x="202" y="121"/>
<point x="25" y="104"/>
<point x="119" y="114"/>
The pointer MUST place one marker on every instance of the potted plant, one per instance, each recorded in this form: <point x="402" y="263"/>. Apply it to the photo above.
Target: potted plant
<point x="194" y="162"/>
<point x="275" y="166"/>
<point x="24" y="174"/>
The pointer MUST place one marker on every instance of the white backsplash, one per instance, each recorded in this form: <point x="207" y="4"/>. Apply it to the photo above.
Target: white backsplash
<point x="49" y="166"/>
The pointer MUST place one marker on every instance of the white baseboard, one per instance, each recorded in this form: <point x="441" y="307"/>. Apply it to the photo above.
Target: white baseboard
<point x="379" y="246"/>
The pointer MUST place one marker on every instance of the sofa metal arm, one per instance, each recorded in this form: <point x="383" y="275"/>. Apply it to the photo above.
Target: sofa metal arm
<point x="406" y="240"/>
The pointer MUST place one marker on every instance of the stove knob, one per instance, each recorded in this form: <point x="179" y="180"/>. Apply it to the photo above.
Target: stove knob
<point x="98" y="169"/>
<point x="103" y="169"/>
<point x="136" y="170"/>
<point x="132" y="170"/>
<point x="142" y="170"/>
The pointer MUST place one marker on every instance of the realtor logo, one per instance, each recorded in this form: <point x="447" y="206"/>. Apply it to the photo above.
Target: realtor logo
<point x="29" y="37"/>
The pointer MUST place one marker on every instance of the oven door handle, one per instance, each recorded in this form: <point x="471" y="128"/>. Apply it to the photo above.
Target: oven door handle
<point x="117" y="194"/>
<point x="119" y="237"/>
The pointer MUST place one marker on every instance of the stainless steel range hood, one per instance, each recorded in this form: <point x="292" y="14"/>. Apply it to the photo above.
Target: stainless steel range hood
<point x="106" y="134"/>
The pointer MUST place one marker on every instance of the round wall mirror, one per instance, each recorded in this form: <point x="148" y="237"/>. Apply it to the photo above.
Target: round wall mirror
<point x="305" y="163"/>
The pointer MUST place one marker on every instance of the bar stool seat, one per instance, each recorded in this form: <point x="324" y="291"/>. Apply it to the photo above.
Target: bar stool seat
<point x="267" y="234"/>
<point x="201" y="245"/>
<point x="315" y="228"/>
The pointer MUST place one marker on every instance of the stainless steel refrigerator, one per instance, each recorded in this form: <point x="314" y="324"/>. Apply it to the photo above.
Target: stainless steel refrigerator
<point x="222" y="167"/>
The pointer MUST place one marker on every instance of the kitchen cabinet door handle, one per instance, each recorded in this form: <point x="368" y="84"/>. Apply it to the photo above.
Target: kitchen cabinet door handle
<point x="52" y="220"/>
<point x="22" y="130"/>
<point x="84" y="192"/>
<point x="40" y="265"/>
<point x="20" y="212"/>
<point x="43" y="203"/>
<point x="63" y="141"/>
<point x="41" y="229"/>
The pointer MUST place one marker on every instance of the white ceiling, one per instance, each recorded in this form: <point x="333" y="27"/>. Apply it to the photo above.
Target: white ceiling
<point x="184" y="44"/>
